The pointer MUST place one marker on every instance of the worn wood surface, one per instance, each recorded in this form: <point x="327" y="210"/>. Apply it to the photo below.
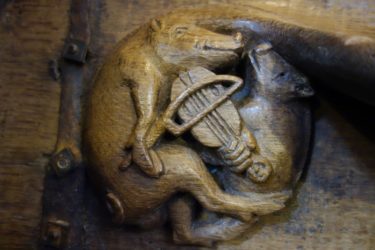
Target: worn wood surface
<point x="335" y="204"/>
<point x="32" y="33"/>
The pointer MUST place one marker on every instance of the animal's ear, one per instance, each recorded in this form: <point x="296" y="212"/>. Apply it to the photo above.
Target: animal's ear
<point x="254" y="62"/>
<point x="156" y="25"/>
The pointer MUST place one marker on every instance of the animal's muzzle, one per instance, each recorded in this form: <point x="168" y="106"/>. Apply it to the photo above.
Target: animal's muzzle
<point x="226" y="43"/>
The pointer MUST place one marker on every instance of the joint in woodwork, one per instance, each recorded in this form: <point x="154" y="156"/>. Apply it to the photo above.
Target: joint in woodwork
<point x="63" y="162"/>
<point x="76" y="51"/>
<point x="55" y="233"/>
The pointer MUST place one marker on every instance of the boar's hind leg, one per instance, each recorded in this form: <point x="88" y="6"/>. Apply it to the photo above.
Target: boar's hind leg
<point x="203" y="233"/>
<point x="191" y="176"/>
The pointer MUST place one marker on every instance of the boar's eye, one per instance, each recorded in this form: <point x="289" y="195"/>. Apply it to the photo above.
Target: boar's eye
<point x="180" y="31"/>
<point x="281" y="76"/>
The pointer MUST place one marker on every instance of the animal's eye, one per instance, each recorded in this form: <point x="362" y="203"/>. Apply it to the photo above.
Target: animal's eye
<point x="281" y="76"/>
<point x="180" y="30"/>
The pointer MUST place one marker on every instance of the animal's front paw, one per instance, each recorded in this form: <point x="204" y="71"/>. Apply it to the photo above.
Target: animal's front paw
<point x="148" y="160"/>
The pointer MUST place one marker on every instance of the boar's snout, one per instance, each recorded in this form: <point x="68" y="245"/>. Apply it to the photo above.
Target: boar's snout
<point x="304" y="90"/>
<point x="225" y="43"/>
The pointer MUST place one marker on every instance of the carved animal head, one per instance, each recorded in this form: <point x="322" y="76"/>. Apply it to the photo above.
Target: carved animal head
<point x="275" y="77"/>
<point x="188" y="45"/>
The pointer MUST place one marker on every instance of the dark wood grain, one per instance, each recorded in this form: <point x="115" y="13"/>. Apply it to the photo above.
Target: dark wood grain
<point x="32" y="33"/>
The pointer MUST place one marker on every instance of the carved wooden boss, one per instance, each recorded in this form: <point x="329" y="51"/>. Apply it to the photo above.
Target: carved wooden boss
<point x="191" y="112"/>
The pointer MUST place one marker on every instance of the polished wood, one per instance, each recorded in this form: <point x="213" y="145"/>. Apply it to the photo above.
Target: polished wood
<point x="126" y="112"/>
<point x="334" y="204"/>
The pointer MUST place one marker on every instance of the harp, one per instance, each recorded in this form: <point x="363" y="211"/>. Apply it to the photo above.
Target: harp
<point x="201" y="99"/>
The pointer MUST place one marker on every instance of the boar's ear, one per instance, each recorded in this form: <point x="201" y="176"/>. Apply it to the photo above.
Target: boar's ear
<point x="156" y="25"/>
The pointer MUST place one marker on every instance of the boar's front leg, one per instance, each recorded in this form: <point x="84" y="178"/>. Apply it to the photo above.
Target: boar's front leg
<point x="145" y="96"/>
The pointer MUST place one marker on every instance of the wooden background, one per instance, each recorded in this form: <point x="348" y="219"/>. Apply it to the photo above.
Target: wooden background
<point x="334" y="207"/>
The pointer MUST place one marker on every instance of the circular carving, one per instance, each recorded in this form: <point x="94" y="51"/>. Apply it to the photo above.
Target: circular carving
<point x="177" y="81"/>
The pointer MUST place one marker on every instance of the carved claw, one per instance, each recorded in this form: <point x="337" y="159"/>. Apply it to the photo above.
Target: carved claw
<point x="249" y="138"/>
<point x="147" y="160"/>
<point x="157" y="163"/>
<point x="125" y="163"/>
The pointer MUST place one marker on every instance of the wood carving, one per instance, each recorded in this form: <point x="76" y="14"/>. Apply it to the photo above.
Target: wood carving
<point x="171" y="126"/>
